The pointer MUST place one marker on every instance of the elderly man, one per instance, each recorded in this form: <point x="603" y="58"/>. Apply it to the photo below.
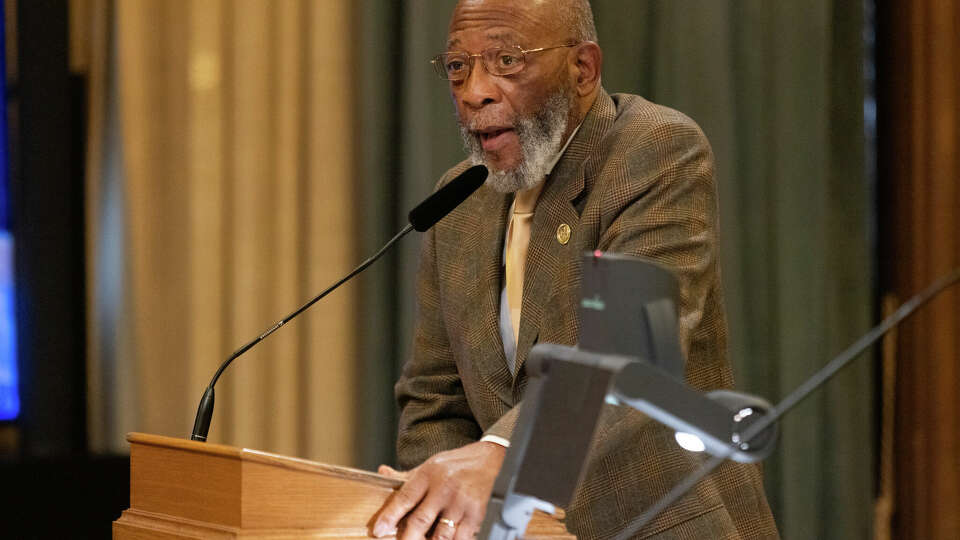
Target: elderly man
<point x="572" y="169"/>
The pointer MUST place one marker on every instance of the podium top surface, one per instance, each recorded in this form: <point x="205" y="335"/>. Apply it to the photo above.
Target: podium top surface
<point x="266" y="458"/>
<point x="190" y="489"/>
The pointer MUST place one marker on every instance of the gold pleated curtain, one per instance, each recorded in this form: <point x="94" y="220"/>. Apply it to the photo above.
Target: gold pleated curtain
<point x="235" y="165"/>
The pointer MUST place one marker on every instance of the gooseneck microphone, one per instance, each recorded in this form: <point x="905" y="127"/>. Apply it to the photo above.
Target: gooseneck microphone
<point x="421" y="218"/>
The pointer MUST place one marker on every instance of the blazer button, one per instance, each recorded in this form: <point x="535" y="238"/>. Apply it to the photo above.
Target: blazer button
<point x="563" y="233"/>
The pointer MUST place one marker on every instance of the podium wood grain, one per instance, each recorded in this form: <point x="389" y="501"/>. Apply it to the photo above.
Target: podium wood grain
<point x="187" y="489"/>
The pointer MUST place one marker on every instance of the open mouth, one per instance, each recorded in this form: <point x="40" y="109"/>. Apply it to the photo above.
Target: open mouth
<point x="494" y="139"/>
<point x="492" y="134"/>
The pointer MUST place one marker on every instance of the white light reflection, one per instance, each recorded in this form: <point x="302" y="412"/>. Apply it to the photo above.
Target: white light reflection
<point x="689" y="442"/>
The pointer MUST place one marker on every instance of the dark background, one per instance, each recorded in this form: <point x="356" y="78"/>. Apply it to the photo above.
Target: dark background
<point x="49" y="486"/>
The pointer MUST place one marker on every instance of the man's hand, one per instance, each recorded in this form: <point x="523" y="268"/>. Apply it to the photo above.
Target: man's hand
<point x="451" y="486"/>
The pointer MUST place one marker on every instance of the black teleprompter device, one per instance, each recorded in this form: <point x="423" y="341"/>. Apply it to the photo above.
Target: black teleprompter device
<point x="630" y="355"/>
<point x="628" y="307"/>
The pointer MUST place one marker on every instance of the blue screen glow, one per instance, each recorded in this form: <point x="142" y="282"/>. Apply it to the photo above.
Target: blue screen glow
<point x="9" y="396"/>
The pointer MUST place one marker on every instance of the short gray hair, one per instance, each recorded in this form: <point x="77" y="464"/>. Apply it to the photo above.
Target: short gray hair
<point x="576" y="16"/>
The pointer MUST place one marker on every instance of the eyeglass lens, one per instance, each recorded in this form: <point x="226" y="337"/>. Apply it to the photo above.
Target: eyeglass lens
<point x="497" y="61"/>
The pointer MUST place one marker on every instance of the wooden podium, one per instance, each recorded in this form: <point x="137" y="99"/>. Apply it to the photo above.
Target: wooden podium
<point x="187" y="489"/>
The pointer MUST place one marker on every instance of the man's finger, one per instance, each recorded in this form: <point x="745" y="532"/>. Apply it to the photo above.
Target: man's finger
<point x="447" y="525"/>
<point x="390" y="472"/>
<point x="466" y="531"/>
<point x="418" y="522"/>
<point x="469" y="524"/>
<point x="402" y="501"/>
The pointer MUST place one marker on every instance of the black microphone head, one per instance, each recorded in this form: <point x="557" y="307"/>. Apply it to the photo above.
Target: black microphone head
<point x="448" y="197"/>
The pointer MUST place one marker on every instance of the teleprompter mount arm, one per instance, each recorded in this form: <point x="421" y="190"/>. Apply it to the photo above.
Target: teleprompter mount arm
<point x="561" y="409"/>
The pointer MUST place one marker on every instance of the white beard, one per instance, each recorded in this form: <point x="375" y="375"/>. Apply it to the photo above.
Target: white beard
<point x="540" y="136"/>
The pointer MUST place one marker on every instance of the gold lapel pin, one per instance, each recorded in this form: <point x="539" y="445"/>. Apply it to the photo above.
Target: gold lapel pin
<point x="563" y="233"/>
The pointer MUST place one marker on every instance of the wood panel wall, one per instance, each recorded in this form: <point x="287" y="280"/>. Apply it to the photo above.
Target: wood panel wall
<point x="919" y="160"/>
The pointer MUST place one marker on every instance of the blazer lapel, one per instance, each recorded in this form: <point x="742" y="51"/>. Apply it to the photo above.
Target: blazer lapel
<point x="548" y="267"/>
<point x="488" y="351"/>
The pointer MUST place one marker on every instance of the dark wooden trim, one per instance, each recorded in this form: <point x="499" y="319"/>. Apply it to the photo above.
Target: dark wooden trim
<point x="919" y="196"/>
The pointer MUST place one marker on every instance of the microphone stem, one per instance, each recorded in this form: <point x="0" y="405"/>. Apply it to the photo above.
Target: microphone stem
<point x="312" y="301"/>
<point x="421" y="218"/>
<point x="202" y="421"/>
<point x="819" y="378"/>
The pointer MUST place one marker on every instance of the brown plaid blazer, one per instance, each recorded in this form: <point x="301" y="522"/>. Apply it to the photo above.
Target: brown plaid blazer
<point x="638" y="178"/>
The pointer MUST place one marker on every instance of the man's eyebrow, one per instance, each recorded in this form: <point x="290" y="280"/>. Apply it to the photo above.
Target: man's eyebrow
<point x="506" y="38"/>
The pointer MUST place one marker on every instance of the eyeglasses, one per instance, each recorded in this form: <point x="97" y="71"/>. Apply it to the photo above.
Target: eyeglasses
<point x="499" y="61"/>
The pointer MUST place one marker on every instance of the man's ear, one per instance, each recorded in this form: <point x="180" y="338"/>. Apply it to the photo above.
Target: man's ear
<point x="588" y="64"/>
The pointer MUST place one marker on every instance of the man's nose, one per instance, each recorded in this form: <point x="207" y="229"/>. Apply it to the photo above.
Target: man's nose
<point x="479" y="88"/>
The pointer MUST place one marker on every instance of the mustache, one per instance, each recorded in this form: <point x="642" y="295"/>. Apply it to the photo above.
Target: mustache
<point x="483" y="121"/>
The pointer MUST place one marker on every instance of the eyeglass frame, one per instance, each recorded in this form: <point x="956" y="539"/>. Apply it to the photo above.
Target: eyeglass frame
<point x="438" y="63"/>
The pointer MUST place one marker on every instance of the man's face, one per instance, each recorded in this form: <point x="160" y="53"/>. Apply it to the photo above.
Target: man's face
<point x="513" y="123"/>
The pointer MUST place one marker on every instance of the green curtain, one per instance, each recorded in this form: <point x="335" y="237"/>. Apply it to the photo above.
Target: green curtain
<point x="408" y="138"/>
<point x="778" y="89"/>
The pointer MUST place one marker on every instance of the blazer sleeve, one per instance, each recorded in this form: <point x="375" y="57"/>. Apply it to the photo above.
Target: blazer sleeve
<point x="434" y="413"/>
<point x="666" y="210"/>
<point x="658" y="200"/>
